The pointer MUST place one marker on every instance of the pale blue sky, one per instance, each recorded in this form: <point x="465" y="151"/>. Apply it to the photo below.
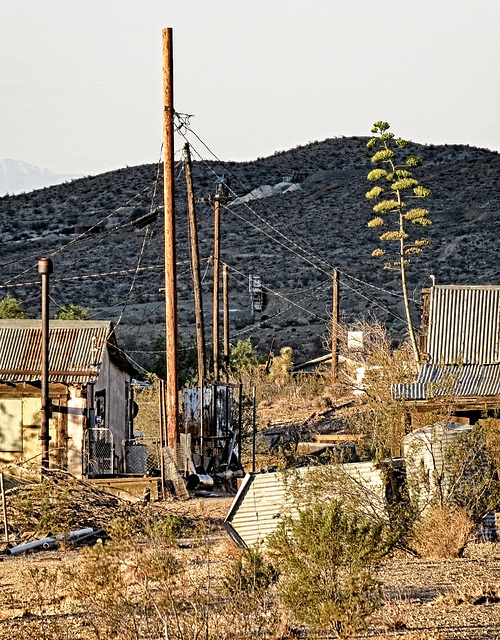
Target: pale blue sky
<point x="81" y="79"/>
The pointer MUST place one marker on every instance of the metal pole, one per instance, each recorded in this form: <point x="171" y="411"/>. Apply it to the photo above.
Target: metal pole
<point x="172" y="400"/>
<point x="195" y="265"/>
<point x="215" y="312"/>
<point x="45" y="268"/>
<point x="254" y="429"/>
<point x="4" y="509"/>
<point x="335" y="328"/>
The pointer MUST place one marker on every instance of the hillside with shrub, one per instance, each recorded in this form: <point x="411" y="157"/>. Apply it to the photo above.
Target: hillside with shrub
<point x="292" y="240"/>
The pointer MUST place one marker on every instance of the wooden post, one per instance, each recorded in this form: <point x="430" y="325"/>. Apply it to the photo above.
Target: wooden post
<point x="195" y="264"/>
<point x="225" y="299"/>
<point x="45" y="269"/>
<point x="4" y="509"/>
<point x="335" y="328"/>
<point x="240" y="418"/>
<point x="172" y="400"/>
<point x="254" y="429"/>
<point x="161" y="414"/>
<point x="215" y="309"/>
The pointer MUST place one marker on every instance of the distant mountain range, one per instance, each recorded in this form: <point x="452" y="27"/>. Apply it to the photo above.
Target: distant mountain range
<point x="18" y="177"/>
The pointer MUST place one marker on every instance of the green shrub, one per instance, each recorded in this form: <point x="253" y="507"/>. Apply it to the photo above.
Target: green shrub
<point x="326" y="556"/>
<point x="11" y="308"/>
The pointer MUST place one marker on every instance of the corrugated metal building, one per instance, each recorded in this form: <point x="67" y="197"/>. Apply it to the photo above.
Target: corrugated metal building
<point x="425" y="452"/>
<point x="89" y="387"/>
<point x="264" y="498"/>
<point x="460" y="347"/>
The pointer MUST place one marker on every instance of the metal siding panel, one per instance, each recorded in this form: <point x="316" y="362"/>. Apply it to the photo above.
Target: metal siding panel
<point x="256" y="514"/>
<point x="464" y="325"/>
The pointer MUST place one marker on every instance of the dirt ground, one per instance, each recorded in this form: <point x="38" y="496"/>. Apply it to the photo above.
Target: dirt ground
<point x="426" y="599"/>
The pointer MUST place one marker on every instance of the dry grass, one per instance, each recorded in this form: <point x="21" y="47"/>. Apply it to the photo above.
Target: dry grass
<point x="443" y="533"/>
<point x="475" y="592"/>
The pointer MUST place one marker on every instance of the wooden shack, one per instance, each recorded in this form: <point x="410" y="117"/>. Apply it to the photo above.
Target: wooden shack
<point x="90" y="389"/>
<point x="460" y="354"/>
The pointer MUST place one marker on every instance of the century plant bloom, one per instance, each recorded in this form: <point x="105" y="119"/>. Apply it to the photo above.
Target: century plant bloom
<point x="396" y="185"/>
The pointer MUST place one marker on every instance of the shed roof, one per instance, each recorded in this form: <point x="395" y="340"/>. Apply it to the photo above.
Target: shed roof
<point x="458" y="380"/>
<point x="462" y="344"/>
<point x="76" y="349"/>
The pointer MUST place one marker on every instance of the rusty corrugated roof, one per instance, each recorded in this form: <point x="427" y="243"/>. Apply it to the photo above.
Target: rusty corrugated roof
<point x="75" y="350"/>
<point x="457" y="380"/>
<point x="464" y="325"/>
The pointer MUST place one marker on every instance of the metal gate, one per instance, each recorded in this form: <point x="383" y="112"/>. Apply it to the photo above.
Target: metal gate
<point x="99" y="452"/>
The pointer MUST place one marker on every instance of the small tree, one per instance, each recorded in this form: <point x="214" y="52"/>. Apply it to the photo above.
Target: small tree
<point x="72" y="312"/>
<point x="11" y="308"/>
<point x="392" y="210"/>
<point x="381" y="418"/>
<point x="326" y="557"/>
<point x="242" y="357"/>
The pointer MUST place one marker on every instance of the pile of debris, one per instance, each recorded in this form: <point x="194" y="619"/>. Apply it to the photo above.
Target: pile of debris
<point x="59" y="503"/>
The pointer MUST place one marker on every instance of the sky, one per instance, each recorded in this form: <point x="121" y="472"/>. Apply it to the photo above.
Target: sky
<point x="81" y="80"/>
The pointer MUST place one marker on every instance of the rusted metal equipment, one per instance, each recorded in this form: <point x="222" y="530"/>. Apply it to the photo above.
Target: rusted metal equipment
<point x="212" y="423"/>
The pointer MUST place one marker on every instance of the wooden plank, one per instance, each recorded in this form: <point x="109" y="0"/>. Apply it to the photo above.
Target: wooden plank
<point x="339" y="437"/>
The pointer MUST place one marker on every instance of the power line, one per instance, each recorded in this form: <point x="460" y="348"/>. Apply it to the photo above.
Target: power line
<point x="312" y="250"/>
<point x="281" y="296"/>
<point x="83" y="234"/>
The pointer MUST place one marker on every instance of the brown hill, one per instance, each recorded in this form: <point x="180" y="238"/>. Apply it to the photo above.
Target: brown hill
<point x="292" y="240"/>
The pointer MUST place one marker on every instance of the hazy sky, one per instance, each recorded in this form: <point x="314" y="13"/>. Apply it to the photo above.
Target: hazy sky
<point x="81" y="80"/>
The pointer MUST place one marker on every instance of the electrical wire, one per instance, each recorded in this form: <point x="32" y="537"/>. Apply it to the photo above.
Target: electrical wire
<point x="279" y="295"/>
<point x="355" y="291"/>
<point x="312" y="252"/>
<point x="83" y="234"/>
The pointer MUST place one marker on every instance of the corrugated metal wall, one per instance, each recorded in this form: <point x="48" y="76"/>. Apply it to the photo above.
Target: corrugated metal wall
<point x="425" y="452"/>
<point x="263" y="499"/>
<point x="464" y="325"/>
<point x="466" y="380"/>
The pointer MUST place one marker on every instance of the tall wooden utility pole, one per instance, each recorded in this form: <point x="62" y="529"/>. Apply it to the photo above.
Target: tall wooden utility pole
<point x="215" y="309"/>
<point x="335" y="328"/>
<point x="172" y="401"/>
<point x="225" y="299"/>
<point x="195" y="265"/>
<point x="45" y="269"/>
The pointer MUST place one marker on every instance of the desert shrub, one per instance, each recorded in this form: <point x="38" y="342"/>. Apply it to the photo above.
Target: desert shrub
<point x="242" y="357"/>
<point x="45" y="508"/>
<point x="251" y="573"/>
<point x="442" y="532"/>
<point x="379" y="417"/>
<point x="250" y="597"/>
<point x="72" y="312"/>
<point x="11" y="308"/>
<point x="279" y="370"/>
<point x="473" y="468"/>
<point x="162" y="530"/>
<point x="326" y="556"/>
